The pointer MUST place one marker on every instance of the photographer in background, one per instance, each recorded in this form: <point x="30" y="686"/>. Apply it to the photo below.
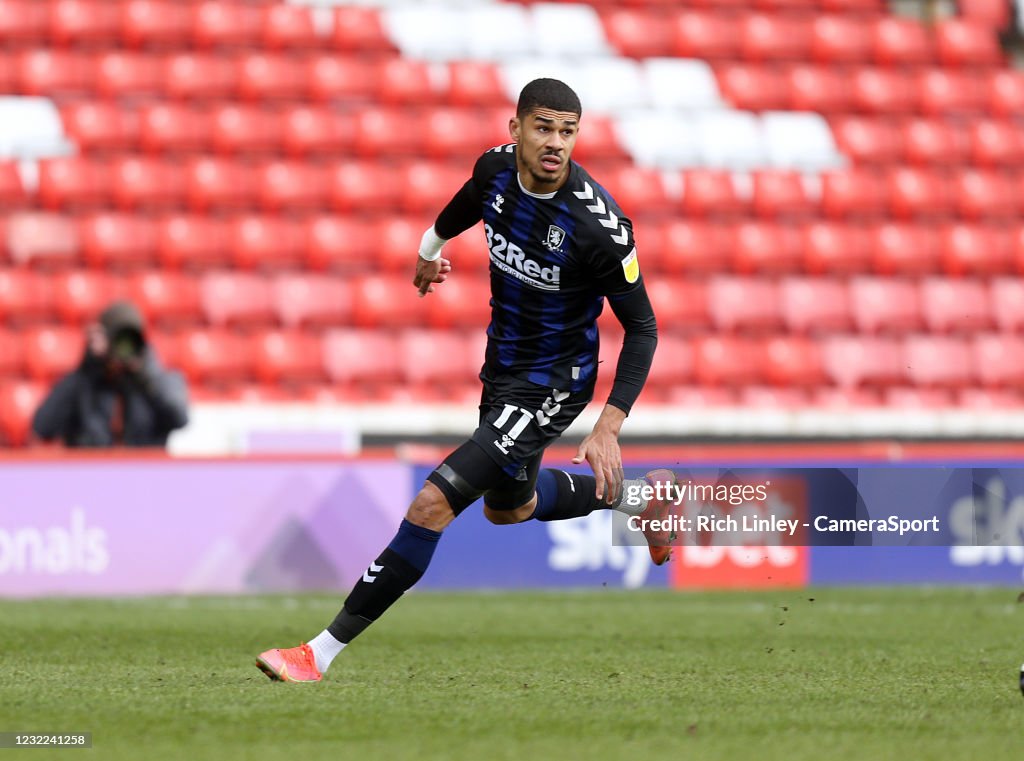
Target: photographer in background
<point x="119" y="395"/>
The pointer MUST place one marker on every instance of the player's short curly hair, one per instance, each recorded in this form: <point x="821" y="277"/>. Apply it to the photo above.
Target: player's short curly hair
<point x="548" y="93"/>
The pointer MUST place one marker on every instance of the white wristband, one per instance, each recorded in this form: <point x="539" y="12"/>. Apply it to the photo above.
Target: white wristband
<point x="430" y="245"/>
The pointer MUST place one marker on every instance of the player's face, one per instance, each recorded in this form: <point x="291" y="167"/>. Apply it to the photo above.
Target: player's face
<point x="544" y="140"/>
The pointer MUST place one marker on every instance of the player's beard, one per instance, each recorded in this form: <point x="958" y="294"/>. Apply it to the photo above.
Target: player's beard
<point x="546" y="178"/>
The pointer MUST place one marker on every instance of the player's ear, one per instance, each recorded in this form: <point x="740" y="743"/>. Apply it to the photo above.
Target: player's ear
<point x="514" y="126"/>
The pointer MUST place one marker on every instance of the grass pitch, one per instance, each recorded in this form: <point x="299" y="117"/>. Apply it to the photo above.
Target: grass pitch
<point x="811" y="674"/>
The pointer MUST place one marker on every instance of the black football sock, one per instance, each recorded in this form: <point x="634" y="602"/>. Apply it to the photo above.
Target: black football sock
<point x="395" y="570"/>
<point x="562" y="495"/>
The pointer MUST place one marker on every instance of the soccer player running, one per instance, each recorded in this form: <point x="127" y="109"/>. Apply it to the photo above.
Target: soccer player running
<point x="559" y="245"/>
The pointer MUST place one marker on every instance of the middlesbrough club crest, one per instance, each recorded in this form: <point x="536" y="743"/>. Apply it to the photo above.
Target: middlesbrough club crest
<point x="555" y="237"/>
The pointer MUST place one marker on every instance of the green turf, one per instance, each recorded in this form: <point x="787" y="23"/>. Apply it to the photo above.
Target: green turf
<point x="811" y="674"/>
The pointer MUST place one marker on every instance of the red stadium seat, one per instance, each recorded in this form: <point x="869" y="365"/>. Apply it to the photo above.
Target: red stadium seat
<point x="345" y="244"/>
<point x="681" y="304"/>
<point x="1004" y="92"/>
<point x="360" y="29"/>
<point x="304" y="300"/>
<point x="833" y="248"/>
<point x="985" y="194"/>
<point x="865" y="7"/>
<point x="974" y="250"/>
<point x="406" y="82"/>
<point x="903" y="249"/>
<point x="334" y="78"/>
<point x="445" y="133"/>
<point x="83" y="21"/>
<point x="814" y="305"/>
<point x="199" y="76"/>
<point x="215" y="356"/>
<point x="19" y="401"/>
<point x="938" y="361"/>
<point x="961" y="42"/>
<point x="166" y="298"/>
<point x="463" y="301"/>
<point x="989" y="399"/>
<point x="25" y="296"/>
<point x="52" y="351"/>
<point x="171" y="128"/>
<point x="995" y="143"/>
<point x="288" y="357"/>
<point x="230" y="298"/>
<point x="192" y="242"/>
<point x="1008" y="303"/>
<point x="840" y="39"/>
<point x="265" y="242"/>
<point x="226" y="24"/>
<point x="817" y="88"/>
<point x="155" y="23"/>
<point x="468" y="251"/>
<point x="933" y="141"/>
<point x="698" y="397"/>
<point x="263" y="76"/>
<point x="856" y="361"/>
<point x="72" y="183"/>
<point x="292" y="186"/>
<point x="710" y="193"/>
<point x="289" y="26"/>
<point x="637" y="34"/>
<point x="116" y="240"/>
<point x="427" y="187"/>
<point x="388" y="132"/>
<point x="23" y="21"/>
<point x="394" y="240"/>
<point x="98" y="126"/>
<point x="884" y="304"/>
<point x="881" y="91"/>
<point x="52" y="72"/>
<point x="738" y="303"/>
<point x="475" y="83"/>
<point x="306" y="130"/>
<point x="752" y="87"/>
<point x="765" y="247"/>
<point x="673" y="362"/>
<point x="845" y="398"/>
<point x="358" y="356"/>
<point x="999" y="360"/>
<point x="121" y="74"/>
<point x="699" y="34"/>
<point x="12" y="192"/>
<point x="147" y="183"/>
<point x="384" y="301"/>
<point x="907" y="398"/>
<point x="901" y="41"/>
<point x="691" y="247"/>
<point x="727" y="361"/>
<point x="364" y="186"/>
<point x="80" y="296"/>
<point x="918" y="193"/>
<point x="237" y="128"/>
<point x="994" y="14"/>
<point x="780" y="194"/>
<point x="945" y="92"/>
<point x="434" y="356"/>
<point x="215" y="183"/>
<point x="853" y="193"/>
<point x="955" y="305"/>
<point x="793" y="361"/>
<point x="867" y="140"/>
<point x="770" y="37"/>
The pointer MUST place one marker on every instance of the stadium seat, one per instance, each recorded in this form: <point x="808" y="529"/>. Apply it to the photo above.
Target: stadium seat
<point x="974" y="250"/>
<point x="364" y="186"/>
<point x="215" y="356"/>
<point x="97" y="126"/>
<point x="681" y="304"/>
<point x="444" y="133"/>
<point x="80" y="296"/>
<point x="944" y="92"/>
<point x="962" y="42"/>
<point x="475" y="83"/>
<point x="166" y="298"/>
<point x="995" y="143"/>
<point x="463" y="301"/>
<point x="957" y="306"/>
<point x="18" y="403"/>
<point x="434" y="356"/>
<point x="985" y="194"/>
<point x="23" y="21"/>
<point x="12" y="191"/>
<point x="378" y="302"/>
<point x="291" y="186"/>
<point x="811" y="305"/>
<point x="817" y="88"/>
<point x="427" y="187"/>
<point x="265" y="242"/>
<point x="699" y="34"/>
<point x="217" y="183"/>
<point x="834" y="248"/>
<point x="307" y="300"/>
<point x="345" y="244"/>
<point x="1004" y="92"/>
<point x="72" y="183"/>
<point x="52" y="72"/>
<point x="226" y="24"/>
<point x="312" y="131"/>
<point x="918" y="193"/>
<point x="83" y="21"/>
<point x="111" y="240"/>
<point x="232" y="298"/>
<point x="244" y="129"/>
<point x="330" y="77"/>
<point x="774" y="37"/>
<point x="710" y="193"/>
<point x="914" y="398"/>
<point x="752" y="87"/>
<point x="773" y="397"/>
<point x="388" y="132"/>
<point x="269" y="77"/>
<point x="701" y="397"/>
<point x="1008" y="303"/>
<point x="765" y="247"/>
<point x="288" y="357"/>
<point x="147" y="183"/>
<point x="171" y="128"/>
<point x="903" y="249"/>
<point x="672" y="365"/>
<point x="468" y="251"/>
<point x="689" y="247"/>
<point x="900" y="41"/>
<point x="780" y="194"/>
<point x="840" y="39"/>
<point x="150" y="23"/>
<point x="394" y="238"/>
<point x="288" y="26"/>
<point x="999" y="360"/>
<point x="933" y="141"/>
<point x="881" y="91"/>
<point x="357" y="356"/>
<point x="742" y="303"/>
<point x="853" y="193"/>
<point x="52" y="351"/>
<point x="404" y="82"/>
<point x="882" y="304"/>
<point x="195" y="76"/>
<point x="995" y="14"/>
<point x="857" y="361"/>
<point x="192" y="242"/>
<point x="938" y="361"/>
<point x="831" y="398"/>
<point x="727" y="361"/>
<point x="793" y="361"/>
<point x="25" y="296"/>
<point x="868" y="140"/>
<point x="121" y="74"/>
<point x="989" y="399"/>
<point x="636" y="33"/>
<point x="360" y="29"/>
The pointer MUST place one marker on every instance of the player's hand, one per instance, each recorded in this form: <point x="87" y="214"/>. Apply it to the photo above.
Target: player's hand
<point x="601" y="451"/>
<point x="428" y="273"/>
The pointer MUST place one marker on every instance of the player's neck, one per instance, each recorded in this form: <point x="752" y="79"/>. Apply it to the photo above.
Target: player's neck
<point x="547" y="191"/>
